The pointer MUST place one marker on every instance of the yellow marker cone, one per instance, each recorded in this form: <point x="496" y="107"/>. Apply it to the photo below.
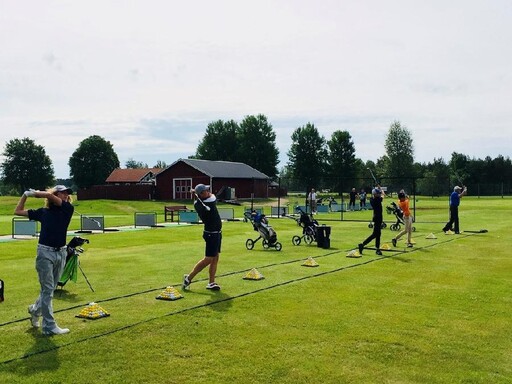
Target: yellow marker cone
<point x="253" y="274"/>
<point x="93" y="311"/>
<point x="169" y="293"/>
<point x="431" y="236"/>
<point x="448" y="232"/>
<point x="354" y="253"/>
<point x="310" y="262"/>
<point x="385" y="246"/>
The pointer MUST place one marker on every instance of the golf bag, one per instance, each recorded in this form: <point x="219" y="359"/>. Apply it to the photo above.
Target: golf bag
<point x="309" y="228"/>
<point x="266" y="232"/>
<point x="74" y="249"/>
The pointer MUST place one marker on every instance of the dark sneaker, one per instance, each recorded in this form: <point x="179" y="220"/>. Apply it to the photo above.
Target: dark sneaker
<point x="186" y="282"/>
<point x="378" y="252"/>
<point x="213" y="286"/>
<point x="409" y="245"/>
<point x="394" y="242"/>
<point x="34" y="319"/>
<point x="361" y="247"/>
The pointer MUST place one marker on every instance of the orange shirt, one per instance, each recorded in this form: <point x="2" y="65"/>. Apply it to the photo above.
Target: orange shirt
<point x="404" y="206"/>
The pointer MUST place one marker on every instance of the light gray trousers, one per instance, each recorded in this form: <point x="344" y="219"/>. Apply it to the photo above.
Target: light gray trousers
<point x="49" y="265"/>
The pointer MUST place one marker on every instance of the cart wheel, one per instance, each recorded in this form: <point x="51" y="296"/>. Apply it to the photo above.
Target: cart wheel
<point x="308" y="239"/>
<point x="278" y="246"/>
<point x="265" y="244"/>
<point x="370" y="225"/>
<point x="383" y="225"/>
<point x="296" y="240"/>
<point x="414" y="229"/>
<point x="249" y="244"/>
<point x="392" y="227"/>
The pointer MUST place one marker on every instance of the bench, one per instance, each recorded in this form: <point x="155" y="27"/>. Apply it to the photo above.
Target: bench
<point x="169" y="210"/>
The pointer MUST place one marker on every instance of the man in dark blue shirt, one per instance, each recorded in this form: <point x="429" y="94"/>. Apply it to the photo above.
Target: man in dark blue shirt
<point x="51" y="250"/>
<point x="455" y="197"/>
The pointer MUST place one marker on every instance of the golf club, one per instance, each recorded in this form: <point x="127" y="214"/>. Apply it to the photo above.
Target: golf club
<point x="459" y="179"/>
<point x="89" y="218"/>
<point x="373" y="176"/>
<point x="202" y="202"/>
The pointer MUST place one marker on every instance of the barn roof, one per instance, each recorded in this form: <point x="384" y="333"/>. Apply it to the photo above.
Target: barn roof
<point x="226" y="169"/>
<point x="131" y="175"/>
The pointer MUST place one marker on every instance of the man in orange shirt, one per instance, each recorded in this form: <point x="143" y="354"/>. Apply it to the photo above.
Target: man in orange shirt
<point x="403" y="204"/>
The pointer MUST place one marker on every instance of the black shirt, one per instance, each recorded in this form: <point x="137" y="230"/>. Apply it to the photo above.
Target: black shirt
<point x="376" y="203"/>
<point x="211" y="219"/>
<point x="54" y="223"/>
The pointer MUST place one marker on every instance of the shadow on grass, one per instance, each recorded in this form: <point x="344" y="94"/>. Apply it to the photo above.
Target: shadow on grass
<point x="41" y="357"/>
<point x="219" y="301"/>
<point x="64" y="295"/>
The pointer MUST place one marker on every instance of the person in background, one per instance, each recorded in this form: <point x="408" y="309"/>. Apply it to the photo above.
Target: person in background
<point x="206" y="207"/>
<point x="376" y="203"/>
<point x="54" y="217"/>
<point x="352" y="200"/>
<point x="362" y="199"/>
<point x="455" y="197"/>
<point x="312" y="201"/>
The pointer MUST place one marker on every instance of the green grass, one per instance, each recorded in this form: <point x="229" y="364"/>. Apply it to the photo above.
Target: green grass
<point x="439" y="313"/>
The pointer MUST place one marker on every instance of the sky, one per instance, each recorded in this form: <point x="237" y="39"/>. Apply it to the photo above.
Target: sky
<point x="148" y="76"/>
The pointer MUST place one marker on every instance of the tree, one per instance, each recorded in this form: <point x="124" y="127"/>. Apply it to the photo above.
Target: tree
<point x="435" y="178"/>
<point x="160" y="164"/>
<point x="26" y="165"/>
<point x="400" y="151"/>
<point x="257" y="145"/>
<point x="132" y="164"/>
<point x="92" y="162"/>
<point x="341" y="157"/>
<point x="307" y="155"/>
<point x="220" y="142"/>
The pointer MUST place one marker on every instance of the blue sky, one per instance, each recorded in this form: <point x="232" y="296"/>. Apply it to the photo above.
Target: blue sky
<point x="150" y="75"/>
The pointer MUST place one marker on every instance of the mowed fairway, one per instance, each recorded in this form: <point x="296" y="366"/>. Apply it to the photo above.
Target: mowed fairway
<point x="440" y="312"/>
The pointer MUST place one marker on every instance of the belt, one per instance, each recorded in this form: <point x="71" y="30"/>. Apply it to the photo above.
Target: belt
<point x="54" y="249"/>
<point x="212" y="231"/>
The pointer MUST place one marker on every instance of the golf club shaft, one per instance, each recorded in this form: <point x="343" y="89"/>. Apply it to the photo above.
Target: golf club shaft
<point x="373" y="176"/>
<point x="202" y="202"/>
<point x="457" y="176"/>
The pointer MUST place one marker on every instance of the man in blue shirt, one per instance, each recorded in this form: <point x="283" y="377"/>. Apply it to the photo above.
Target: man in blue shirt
<point x="455" y="197"/>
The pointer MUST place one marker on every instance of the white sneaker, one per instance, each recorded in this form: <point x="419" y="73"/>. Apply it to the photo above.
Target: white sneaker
<point x="56" y="331"/>
<point x="213" y="286"/>
<point x="34" y="319"/>
<point x="186" y="282"/>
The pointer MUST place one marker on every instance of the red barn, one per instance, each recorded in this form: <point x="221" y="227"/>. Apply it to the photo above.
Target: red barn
<point x="228" y="180"/>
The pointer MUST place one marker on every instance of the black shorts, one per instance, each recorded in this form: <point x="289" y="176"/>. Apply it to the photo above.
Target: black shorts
<point x="213" y="243"/>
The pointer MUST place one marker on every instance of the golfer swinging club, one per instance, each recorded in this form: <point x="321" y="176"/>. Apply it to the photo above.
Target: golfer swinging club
<point x="51" y="250"/>
<point x="206" y="208"/>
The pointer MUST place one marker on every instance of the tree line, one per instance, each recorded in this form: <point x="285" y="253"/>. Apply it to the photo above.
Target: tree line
<point x="313" y="160"/>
